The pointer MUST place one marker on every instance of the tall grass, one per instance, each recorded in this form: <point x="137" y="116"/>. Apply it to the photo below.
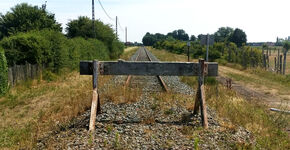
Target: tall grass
<point x="268" y="128"/>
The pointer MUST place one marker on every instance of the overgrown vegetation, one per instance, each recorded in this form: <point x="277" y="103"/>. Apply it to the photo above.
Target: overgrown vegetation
<point x="31" y="109"/>
<point x="267" y="127"/>
<point x="30" y="34"/>
<point x="3" y="73"/>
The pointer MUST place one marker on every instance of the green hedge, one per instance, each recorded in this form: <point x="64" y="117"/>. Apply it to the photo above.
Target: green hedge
<point x="81" y="49"/>
<point x="54" y="51"/>
<point x="3" y="73"/>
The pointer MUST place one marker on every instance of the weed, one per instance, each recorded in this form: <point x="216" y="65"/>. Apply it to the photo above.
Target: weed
<point x="196" y="141"/>
<point x="109" y="129"/>
<point x="169" y="111"/>
<point x="116" y="143"/>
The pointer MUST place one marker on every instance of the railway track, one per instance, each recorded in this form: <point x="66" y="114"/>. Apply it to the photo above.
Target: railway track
<point x="144" y="55"/>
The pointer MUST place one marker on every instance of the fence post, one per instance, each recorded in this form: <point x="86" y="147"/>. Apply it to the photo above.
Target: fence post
<point x="268" y="61"/>
<point x="95" y="99"/>
<point x="202" y="94"/>
<point x="280" y="63"/>
<point x="275" y="67"/>
<point x="264" y="61"/>
<point x="197" y="103"/>
<point x="284" y="63"/>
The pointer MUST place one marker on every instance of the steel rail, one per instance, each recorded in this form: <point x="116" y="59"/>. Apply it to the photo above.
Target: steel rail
<point x="159" y="77"/>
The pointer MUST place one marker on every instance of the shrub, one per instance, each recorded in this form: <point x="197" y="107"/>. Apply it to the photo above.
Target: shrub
<point x="81" y="49"/>
<point x="25" y="47"/>
<point x="46" y="47"/>
<point x="3" y="73"/>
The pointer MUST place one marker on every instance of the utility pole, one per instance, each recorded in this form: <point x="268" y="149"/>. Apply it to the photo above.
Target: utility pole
<point x="117" y="27"/>
<point x="207" y="45"/>
<point x="93" y="18"/>
<point x="126" y="35"/>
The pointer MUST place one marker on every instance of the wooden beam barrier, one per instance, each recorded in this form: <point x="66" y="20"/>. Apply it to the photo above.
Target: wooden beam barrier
<point x="146" y="68"/>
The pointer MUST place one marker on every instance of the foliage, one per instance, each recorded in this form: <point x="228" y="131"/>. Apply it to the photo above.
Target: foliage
<point x="44" y="47"/>
<point x="238" y="37"/>
<point x="82" y="27"/>
<point x="192" y="38"/>
<point x="286" y="46"/>
<point x="81" y="49"/>
<point x="223" y="34"/>
<point x="24" y="18"/>
<point x="3" y="73"/>
<point x="179" y="34"/>
<point x="25" y="47"/>
<point x="151" y="39"/>
<point x="221" y="51"/>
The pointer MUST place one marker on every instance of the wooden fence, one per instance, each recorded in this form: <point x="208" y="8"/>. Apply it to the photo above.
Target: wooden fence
<point x="19" y="73"/>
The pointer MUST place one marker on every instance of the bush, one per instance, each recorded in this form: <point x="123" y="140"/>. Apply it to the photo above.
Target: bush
<point x="81" y="49"/>
<point x="3" y="73"/>
<point x="44" y="47"/>
<point x="25" y="47"/>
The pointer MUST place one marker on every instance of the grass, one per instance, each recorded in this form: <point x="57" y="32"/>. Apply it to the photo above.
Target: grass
<point x="267" y="127"/>
<point x="32" y="108"/>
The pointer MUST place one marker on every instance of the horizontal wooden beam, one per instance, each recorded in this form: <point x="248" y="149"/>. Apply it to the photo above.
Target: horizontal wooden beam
<point x="146" y="68"/>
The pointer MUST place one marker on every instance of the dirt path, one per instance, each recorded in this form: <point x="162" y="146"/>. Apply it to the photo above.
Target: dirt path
<point x="271" y="95"/>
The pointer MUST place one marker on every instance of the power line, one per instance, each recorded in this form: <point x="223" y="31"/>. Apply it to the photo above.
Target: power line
<point x="105" y="11"/>
<point x="107" y="14"/>
<point x="122" y="29"/>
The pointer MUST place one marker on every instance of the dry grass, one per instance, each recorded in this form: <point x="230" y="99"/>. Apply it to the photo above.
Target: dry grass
<point x="35" y="107"/>
<point x="272" y="60"/>
<point x="120" y="94"/>
<point x="268" y="127"/>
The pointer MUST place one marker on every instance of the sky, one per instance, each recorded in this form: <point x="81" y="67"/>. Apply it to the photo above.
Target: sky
<point x="262" y="20"/>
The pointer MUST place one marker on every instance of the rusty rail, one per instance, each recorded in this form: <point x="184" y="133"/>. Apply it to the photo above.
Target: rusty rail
<point x="129" y="77"/>
<point x="159" y="77"/>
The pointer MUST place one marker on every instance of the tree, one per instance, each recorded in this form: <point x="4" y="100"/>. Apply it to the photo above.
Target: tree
<point x="286" y="47"/>
<point x="238" y="37"/>
<point x="24" y="18"/>
<point x="149" y="39"/>
<point x="192" y="38"/>
<point x="83" y="27"/>
<point x="223" y="34"/>
<point x="179" y="35"/>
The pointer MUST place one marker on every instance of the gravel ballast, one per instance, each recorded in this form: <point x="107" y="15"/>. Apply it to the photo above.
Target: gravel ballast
<point x="145" y="125"/>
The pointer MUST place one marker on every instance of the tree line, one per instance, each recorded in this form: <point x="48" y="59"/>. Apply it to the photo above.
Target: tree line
<point x="224" y="34"/>
<point x="229" y="46"/>
<point x="32" y="34"/>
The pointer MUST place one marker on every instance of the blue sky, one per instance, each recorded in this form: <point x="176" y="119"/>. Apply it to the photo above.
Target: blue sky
<point x="262" y="20"/>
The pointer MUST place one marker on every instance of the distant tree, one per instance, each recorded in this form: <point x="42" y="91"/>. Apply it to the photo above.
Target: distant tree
<point x="24" y="18"/>
<point x="83" y="27"/>
<point x="179" y="35"/>
<point x="149" y="39"/>
<point x="192" y="38"/>
<point x="199" y="36"/>
<point x="223" y="34"/>
<point x="160" y="36"/>
<point x="238" y="37"/>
